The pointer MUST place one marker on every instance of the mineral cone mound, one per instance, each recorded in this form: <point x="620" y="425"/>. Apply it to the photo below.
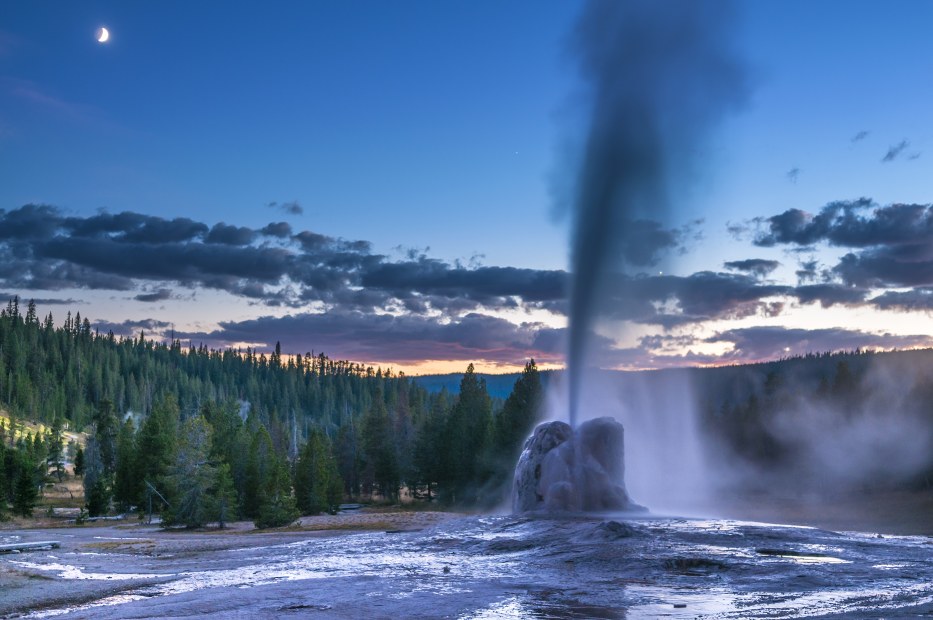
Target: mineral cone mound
<point x="565" y="470"/>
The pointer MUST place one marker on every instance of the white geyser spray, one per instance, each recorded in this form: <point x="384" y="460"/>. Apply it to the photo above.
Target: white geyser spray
<point x="659" y="76"/>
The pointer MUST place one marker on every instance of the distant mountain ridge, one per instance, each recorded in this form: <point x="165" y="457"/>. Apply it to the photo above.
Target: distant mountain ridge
<point x="812" y="365"/>
<point x="498" y="386"/>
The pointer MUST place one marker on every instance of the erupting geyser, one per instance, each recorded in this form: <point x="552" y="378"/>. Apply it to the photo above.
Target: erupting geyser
<point x="658" y="77"/>
<point x="562" y="469"/>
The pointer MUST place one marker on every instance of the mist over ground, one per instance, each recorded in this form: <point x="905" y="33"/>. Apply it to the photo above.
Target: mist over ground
<point x="813" y="429"/>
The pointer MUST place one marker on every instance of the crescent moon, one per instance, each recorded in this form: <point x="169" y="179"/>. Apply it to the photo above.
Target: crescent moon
<point x="102" y="35"/>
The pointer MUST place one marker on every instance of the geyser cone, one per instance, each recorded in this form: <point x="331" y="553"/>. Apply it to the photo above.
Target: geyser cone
<point x="562" y="469"/>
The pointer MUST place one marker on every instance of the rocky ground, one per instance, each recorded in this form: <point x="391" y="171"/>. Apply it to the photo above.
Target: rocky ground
<point x="112" y="551"/>
<point x="390" y="564"/>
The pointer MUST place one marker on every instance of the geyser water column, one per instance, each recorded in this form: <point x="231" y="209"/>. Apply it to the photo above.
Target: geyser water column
<point x="658" y="75"/>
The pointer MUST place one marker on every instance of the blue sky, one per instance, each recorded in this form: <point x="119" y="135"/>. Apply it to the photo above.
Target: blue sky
<point x="435" y="133"/>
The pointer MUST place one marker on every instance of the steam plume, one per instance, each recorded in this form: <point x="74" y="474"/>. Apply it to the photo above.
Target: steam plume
<point x="659" y="76"/>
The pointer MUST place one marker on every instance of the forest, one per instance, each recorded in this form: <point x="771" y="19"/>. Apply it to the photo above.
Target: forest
<point x="201" y="435"/>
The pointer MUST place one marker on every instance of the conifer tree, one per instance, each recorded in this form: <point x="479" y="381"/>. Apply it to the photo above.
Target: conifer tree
<point x="519" y="413"/>
<point x="222" y="500"/>
<point x="512" y="426"/>
<point x="349" y="461"/>
<point x="79" y="461"/>
<point x="429" y="455"/>
<point x="467" y="434"/>
<point x="55" y="444"/>
<point x="156" y="443"/>
<point x="191" y="476"/>
<point x="97" y="486"/>
<point x="381" y="471"/>
<point x="105" y="432"/>
<point x="260" y="462"/>
<point x="127" y="485"/>
<point x="276" y="504"/>
<point x="318" y="486"/>
<point x="25" y="491"/>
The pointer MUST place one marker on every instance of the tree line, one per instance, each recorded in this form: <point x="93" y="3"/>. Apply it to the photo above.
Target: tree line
<point x="201" y="435"/>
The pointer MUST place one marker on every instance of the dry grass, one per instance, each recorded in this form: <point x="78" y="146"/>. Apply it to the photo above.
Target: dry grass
<point x="24" y="427"/>
<point x="317" y="526"/>
<point x="121" y="545"/>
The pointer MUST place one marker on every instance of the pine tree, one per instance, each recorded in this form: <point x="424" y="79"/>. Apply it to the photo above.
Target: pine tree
<point x="127" y="485"/>
<point x="105" y="431"/>
<point x="318" y="486"/>
<point x="97" y="485"/>
<point x="519" y="413"/>
<point x="25" y="491"/>
<point x="381" y="471"/>
<point x="156" y="443"/>
<point x="222" y="500"/>
<point x="468" y="428"/>
<point x="349" y="463"/>
<point x="261" y="460"/>
<point x="79" y="461"/>
<point x="55" y="442"/>
<point x="276" y="505"/>
<point x="191" y="476"/>
<point x="513" y="425"/>
<point x="404" y="435"/>
<point x="429" y="447"/>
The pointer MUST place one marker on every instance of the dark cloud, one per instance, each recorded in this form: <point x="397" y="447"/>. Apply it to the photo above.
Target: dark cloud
<point x="399" y="339"/>
<point x="160" y="295"/>
<point x="377" y="308"/>
<point x="43" y="249"/>
<point x="856" y="224"/>
<point x="188" y="263"/>
<point x="830" y="294"/>
<point x="277" y="229"/>
<point x="755" y="266"/>
<point x="152" y="327"/>
<point x="38" y="274"/>
<point x="895" y="151"/>
<point x="28" y="222"/>
<point x="768" y="342"/>
<point x="674" y="300"/>
<point x="808" y="271"/>
<point x="291" y="207"/>
<point x="41" y="301"/>
<point x="918" y="299"/>
<point x="483" y="284"/>
<point x="313" y="242"/>
<point x="135" y="227"/>
<point x="230" y="235"/>
<point x="893" y="244"/>
<point x="801" y="228"/>
<point x="886" y="268"/>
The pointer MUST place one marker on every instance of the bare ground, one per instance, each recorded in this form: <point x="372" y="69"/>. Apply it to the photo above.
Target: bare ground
<point x="123" y="546"/>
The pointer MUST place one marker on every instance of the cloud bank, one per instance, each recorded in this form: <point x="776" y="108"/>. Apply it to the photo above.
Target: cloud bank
<point x="342" y="297"/>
